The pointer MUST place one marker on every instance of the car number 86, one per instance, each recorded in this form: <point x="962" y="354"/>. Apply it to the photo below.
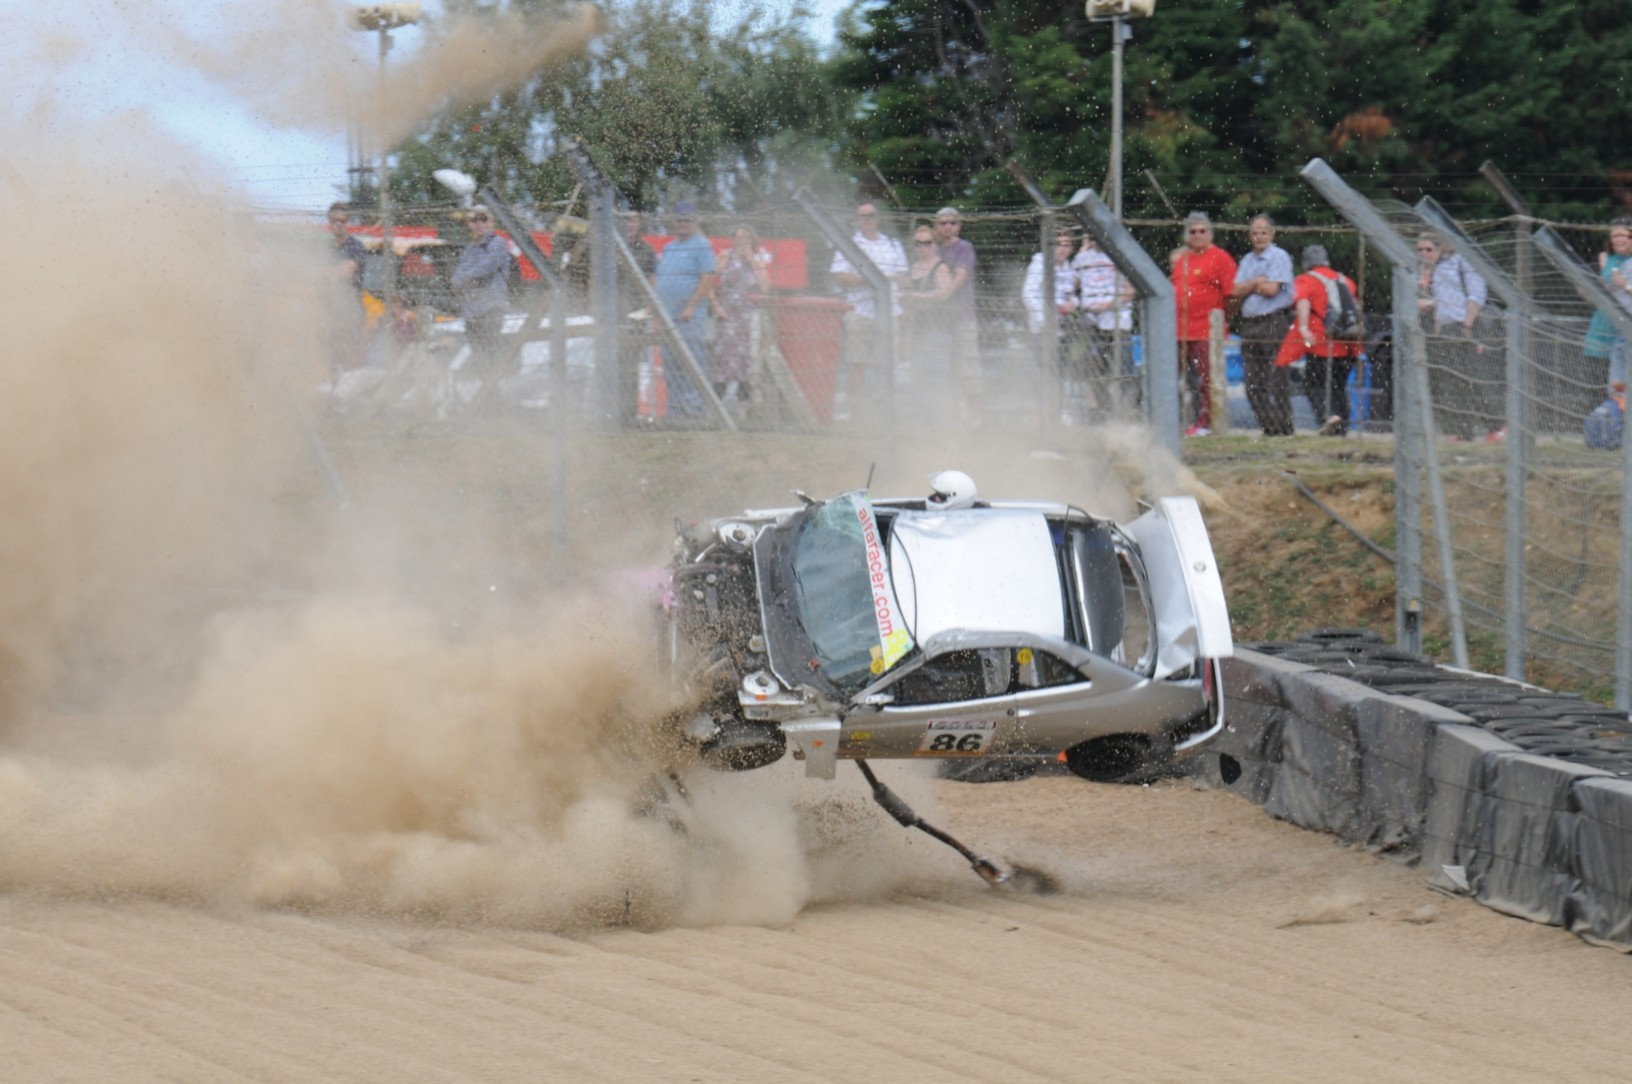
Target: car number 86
<point x="957" y="738"/>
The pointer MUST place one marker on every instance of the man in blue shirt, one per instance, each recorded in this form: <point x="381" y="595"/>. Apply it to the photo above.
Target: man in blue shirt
<point x="481" y="283"/>
<point x="1465" y="376"/>
<point x="684" y="283"/>
<point x="1263" y="285"/>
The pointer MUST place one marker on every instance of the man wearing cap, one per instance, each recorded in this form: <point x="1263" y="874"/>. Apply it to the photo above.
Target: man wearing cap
<point x="684" y="282"/>
<point x="1263" y="283"/>
<point x="860" y="323"/>
<point x="1326" y="373"/>
<point x="481" y="284"/>
<point x="1203" y="276"/>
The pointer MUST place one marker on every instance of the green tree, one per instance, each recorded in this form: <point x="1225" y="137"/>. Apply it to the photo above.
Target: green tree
<point x="1227" y="99"/>
<point x="665" y="97"/>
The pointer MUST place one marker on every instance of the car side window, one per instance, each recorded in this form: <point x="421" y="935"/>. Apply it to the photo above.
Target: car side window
<point x="1043" y="670"/>
<point x="956" y="675"/>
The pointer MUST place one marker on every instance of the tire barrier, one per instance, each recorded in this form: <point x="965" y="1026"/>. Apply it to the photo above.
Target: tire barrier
<point x="1516" y="796"/>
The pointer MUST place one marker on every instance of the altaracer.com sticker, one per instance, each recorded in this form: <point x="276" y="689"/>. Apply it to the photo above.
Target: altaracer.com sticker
<point x="893" y="639"/>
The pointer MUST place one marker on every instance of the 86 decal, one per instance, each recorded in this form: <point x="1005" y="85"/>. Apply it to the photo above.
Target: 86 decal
<point x="957" y="737"/>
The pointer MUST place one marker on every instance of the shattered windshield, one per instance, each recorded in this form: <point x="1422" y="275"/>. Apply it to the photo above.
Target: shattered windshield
<point x="843" y="593"/>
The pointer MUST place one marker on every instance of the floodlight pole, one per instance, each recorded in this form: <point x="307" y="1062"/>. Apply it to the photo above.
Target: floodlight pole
<point x="389" y="286"/>
<point x="1117" y="13"/>
<point x="385" y="18"/>
<point x="1118" y="36"/>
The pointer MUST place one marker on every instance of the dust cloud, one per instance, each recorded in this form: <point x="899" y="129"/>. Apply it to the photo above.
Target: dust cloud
<point x="214" y="686"/>
<point x="222" y="684"/>
<point x="299" y="64"/>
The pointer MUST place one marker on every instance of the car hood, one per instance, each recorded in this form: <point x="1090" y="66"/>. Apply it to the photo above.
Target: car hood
<point x="979" y="568"/>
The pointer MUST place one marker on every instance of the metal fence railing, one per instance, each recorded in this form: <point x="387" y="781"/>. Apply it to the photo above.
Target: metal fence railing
<point x="1523" y="514"/>
<point x="1510" y="522"/>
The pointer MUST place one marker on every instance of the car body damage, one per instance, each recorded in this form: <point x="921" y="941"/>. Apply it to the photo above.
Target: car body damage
<point x="855" y="628"/>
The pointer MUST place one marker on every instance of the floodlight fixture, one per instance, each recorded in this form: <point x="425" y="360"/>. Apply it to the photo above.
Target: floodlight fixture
<point x="383" y="16"/>
<point x="1100" y="10"/>
<point x="459" y="183"/>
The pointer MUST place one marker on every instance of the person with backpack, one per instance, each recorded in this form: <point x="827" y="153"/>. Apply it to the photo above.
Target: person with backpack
<point x="1326" y="330"/>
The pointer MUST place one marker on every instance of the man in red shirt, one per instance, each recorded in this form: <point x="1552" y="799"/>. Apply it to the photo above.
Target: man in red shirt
<point x="1326" y="374"/>
<point x="1203" y="276"/>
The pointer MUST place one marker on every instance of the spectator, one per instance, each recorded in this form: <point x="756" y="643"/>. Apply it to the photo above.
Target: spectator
<point x="685" y="283"/>
<point x="631" y="296"/>
<point x="1330" y="360"/>
<point x="1603" y="341"/>
<point x="744" y="272"/>
<point x="348" y="250"/>
<point x="1203" y="276"/>
<point x="346" y="349"/>
<point x="1107" y="296"/>
<point x="1059" y="319"/>
<point x="577" y="265"/>
<point x="1107" y="306"/>
<point x="925" y="294"/>
<point x="481" y="285"/>
<point x="861" y="323"/>
<point x="959" y="257"/>
<point x="1462" y="371"/>
<point x="1263" y="284"/>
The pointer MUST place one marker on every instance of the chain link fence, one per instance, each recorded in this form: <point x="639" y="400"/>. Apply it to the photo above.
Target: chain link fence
<point x="1523" y="514"/>
<point x="800" y="354"/>
<point x="982" y="355"/>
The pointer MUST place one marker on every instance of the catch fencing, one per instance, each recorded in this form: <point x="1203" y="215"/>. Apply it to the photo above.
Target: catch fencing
<point x="1510" y="536"/>
<point x="1520" y="540"/>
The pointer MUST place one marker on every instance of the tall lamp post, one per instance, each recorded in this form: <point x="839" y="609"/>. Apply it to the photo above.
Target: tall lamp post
<point x="385" y="18"/>
<point x="1117" y="12"/>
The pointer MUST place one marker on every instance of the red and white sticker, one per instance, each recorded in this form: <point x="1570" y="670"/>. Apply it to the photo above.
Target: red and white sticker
<point x="957" y="737"/>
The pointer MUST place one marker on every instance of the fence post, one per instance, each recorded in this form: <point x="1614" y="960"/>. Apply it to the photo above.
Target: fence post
<point x="604" y="195"/>
<point x="1516" y="418"/>
<point x="560" y="421"/>
<point x="1048" y="353"/>
<point x="1591" y="289"/>
<point x="1048" y="346"/>
<point x="1409" y="439"/>
<point x="1410" y="383"/>
<point x="604" y="304"/>
<point x="1218" y="373"/>
<point x="1157" y="315"/>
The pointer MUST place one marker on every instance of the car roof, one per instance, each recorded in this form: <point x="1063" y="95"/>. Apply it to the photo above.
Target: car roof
<point x="976" y="569"/>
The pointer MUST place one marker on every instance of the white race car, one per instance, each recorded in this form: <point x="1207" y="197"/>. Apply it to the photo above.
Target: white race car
<point x="950" y="627"/>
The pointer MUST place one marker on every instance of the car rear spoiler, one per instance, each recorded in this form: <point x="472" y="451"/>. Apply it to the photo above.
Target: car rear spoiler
<point x="1187" y="596"/>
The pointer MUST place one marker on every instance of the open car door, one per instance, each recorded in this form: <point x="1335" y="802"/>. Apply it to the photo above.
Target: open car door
<point x="1187" y="596"/>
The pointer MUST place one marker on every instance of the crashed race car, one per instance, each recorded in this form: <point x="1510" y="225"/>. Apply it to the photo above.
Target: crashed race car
<point x="948" y="627"/>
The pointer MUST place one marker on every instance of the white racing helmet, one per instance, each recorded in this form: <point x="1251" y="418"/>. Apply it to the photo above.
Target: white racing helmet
<point x="950" y="489"/>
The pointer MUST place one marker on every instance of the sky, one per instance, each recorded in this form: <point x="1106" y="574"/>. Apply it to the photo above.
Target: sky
<point x="224" y="79"/>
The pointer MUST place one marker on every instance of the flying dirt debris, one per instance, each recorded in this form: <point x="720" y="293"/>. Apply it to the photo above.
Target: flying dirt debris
<point x="949" y="628"/>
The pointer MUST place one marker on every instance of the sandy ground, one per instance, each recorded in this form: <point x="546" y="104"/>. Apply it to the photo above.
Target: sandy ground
<point x="1195" y="937"/>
